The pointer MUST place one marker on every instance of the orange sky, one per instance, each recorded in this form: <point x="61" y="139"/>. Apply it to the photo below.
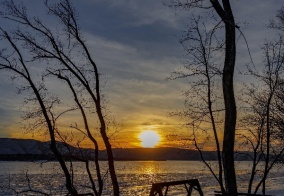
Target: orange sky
<point x="136" y="47"/>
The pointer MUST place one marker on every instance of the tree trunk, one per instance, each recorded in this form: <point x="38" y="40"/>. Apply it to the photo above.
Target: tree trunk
<point x="226" y="15"/>
<point x="230" y="104"/>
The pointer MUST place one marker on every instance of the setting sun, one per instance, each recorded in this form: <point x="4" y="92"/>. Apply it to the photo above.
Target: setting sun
<point x="149" y="139"/>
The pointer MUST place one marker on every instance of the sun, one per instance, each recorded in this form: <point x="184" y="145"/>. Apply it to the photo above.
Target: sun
<point x="149" y="138"/>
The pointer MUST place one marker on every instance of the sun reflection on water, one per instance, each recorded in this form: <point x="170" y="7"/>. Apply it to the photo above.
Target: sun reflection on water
<point x="150" y="169"/>
<point x="135" y="177"/>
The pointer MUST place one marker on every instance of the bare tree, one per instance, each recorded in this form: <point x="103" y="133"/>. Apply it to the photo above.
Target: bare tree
<point x="38" y="90"/>
<point x="263" y="118"/>
<point x="57" y="49"/>
<point x="263" y="122"/>
<point x="223" y="10"/>
<point x="278" y="25"/>
<point x="202" y="105"/>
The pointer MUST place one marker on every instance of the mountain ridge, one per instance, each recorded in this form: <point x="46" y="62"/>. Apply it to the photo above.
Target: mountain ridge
<point x="30" y="149"/>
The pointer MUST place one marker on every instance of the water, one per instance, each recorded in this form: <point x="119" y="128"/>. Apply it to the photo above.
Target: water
<point x="135" y="177"/>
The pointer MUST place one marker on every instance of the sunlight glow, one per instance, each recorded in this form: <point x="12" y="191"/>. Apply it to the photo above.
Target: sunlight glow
<point x="149" y="138"/>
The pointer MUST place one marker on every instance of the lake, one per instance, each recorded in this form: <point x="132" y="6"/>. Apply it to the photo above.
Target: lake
<point x="135" y="177"/>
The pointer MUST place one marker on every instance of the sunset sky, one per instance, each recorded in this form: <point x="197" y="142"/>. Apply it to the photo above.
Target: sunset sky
<point x="135" y="45"/>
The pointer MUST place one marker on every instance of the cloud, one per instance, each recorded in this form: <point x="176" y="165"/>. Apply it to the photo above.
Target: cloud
<point x="135" y="48"/>
<point x="136" y="85"/>
<point x="132" y="13"/>
<point x="8" y="121"/>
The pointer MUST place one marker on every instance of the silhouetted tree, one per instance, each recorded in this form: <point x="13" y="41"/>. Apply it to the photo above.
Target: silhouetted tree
<point x="221" y="9"/>
<point x="264" y="115"/>
<point x="266" y="101"/>
<point x="278" y="24"/>
<point x="202" y="106"/>
<point x="62" y="54"/>
<point x="263" y="121"/>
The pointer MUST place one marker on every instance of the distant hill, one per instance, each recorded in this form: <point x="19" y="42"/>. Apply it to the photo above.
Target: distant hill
<point x="159" y="154"/>
<point x="23" y="146"/>
<point x="28" y="149"/>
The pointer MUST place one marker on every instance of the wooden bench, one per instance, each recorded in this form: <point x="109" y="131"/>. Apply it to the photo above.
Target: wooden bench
<point x="219" y="193"/>
<point x="190" y="185"/>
